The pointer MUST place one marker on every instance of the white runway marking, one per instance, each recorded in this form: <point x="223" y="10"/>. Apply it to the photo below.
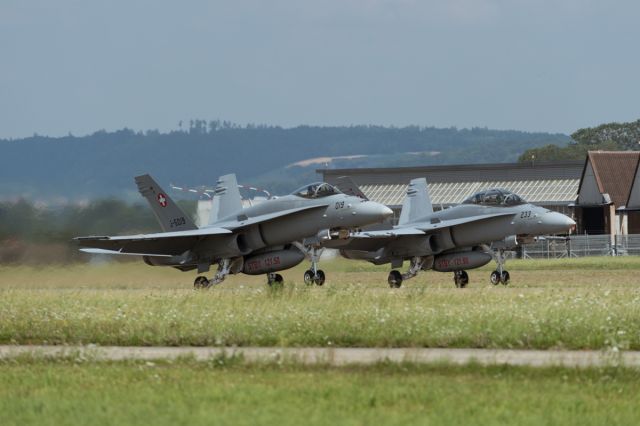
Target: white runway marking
<point x="338" y="356"/>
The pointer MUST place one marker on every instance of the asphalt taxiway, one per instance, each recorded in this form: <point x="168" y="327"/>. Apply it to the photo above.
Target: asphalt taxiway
<point x="335" y="356"/>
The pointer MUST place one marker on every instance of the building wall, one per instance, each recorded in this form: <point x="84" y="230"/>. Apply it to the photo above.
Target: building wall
<point x="634" y="197"/>
<point x="619" y="188"/>
<point x="589" y="193"/>
<point x="633" y="221"/>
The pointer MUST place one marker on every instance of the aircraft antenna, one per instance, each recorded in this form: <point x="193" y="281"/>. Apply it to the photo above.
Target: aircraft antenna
<point x="208" y="192"/>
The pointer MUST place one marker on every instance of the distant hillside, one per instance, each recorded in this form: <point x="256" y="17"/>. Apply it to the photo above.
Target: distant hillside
<point x="103" y="164"/>
<point x="609" y="137"/>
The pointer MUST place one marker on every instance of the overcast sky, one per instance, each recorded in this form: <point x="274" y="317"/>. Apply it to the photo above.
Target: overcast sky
<point x="538" y="65"/>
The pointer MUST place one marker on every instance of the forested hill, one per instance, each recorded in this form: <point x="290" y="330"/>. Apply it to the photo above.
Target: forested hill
<point x="103" y="164"/>
<point x="608" y="137"/>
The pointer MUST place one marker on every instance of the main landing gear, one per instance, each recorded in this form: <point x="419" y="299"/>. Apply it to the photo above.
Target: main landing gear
<point x="314" y="275"/>
<point x="274" y="279"/>
<point x="395" y="279"/>
<point x="500" y="275"/>
<point x="416" y="264"/>
<point x="225" y="267"/>
<point x="201" y="282"/>
<point x="461" y="279"/>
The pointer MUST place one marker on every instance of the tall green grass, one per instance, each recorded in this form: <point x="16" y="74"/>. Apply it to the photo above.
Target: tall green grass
<point x="184" y="392"/>
<point x="576" y="309"/>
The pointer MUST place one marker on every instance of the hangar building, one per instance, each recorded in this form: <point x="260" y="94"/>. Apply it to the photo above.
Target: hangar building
<point x="553" y="185"/>
<point x="609" y="193"/>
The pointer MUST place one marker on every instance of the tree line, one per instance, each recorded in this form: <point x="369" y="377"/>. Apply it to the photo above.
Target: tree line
<point x="103" y="164"/>
<point x="606" y="137"/>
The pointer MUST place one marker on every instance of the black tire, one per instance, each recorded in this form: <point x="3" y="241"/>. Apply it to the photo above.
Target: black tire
<point x="308" y="277"/>
<point x="319" y="278"/>
<point x="201" y="282"/>
<point x="395" y="279"/>
<point x="275" y="280"/>
<point x="461" y="279"/>
<point x="495" y="278"/>
<point x="464" y="279"/>
<point x="505" y="277"/>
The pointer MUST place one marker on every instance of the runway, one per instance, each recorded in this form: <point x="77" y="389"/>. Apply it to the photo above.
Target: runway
<point x="335" y="356"/>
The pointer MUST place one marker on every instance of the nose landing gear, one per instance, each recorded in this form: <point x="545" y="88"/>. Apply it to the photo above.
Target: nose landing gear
<point x="500" y="275"/>
<point x="313" y="275"/>
<point x="497" y="277"/>
<point x="316" y="277"/>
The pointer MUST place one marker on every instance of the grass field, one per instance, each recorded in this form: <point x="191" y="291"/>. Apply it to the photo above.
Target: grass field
<point x="591" y="303"/>
<point x="223" y="392"/>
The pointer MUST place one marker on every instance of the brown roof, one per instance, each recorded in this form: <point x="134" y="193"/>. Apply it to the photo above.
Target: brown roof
<point x="614" y="172"/>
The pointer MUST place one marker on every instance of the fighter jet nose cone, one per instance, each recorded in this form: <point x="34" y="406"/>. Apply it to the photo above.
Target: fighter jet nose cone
<point x="559" y="223"/>
<point x="565" y="221"/>
<point x="373" y="212"/>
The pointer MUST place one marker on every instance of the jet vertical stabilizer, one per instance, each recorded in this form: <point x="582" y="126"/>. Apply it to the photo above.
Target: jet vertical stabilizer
<point x="169" y="215"/>
<point x="417" y="202"/>
<point x="227" y="199"/>
<point x="349" y="187"/>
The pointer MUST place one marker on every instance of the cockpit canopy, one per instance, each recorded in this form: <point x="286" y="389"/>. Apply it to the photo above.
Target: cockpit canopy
<point x="495" y="197"/>
<point x="316" y="190"/>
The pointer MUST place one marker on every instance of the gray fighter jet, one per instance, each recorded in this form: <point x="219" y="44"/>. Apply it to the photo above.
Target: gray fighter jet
<point x="462" y="237"/>
<point x="253" y="240"/>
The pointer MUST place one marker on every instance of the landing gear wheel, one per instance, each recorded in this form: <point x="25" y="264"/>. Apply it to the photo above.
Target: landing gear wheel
<point x="201" y="282"/>
<point x="308" y="277"/>
<point x="461" y="279"/>
<point x="319" y="278"/>
<point x="275" y="279"/>
<point x="505" y="278"/>
<point x="395" y="279"/>
<point x="495" y="278"/>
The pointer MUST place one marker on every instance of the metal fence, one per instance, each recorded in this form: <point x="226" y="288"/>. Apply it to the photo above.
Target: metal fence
<point x="582" y="245"/>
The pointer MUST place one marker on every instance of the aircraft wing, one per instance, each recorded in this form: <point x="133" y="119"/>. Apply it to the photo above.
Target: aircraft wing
<point x="439" y="224"/>
<point x="162" y="243"/>
<point x="243" y="221"/>
<point x="176" y="243"/>
<point x="103" y="251"/>
<point x="424" y="228"/>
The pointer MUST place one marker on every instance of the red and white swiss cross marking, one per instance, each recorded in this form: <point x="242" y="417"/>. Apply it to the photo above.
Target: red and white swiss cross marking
<point x="162" y="199"/>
